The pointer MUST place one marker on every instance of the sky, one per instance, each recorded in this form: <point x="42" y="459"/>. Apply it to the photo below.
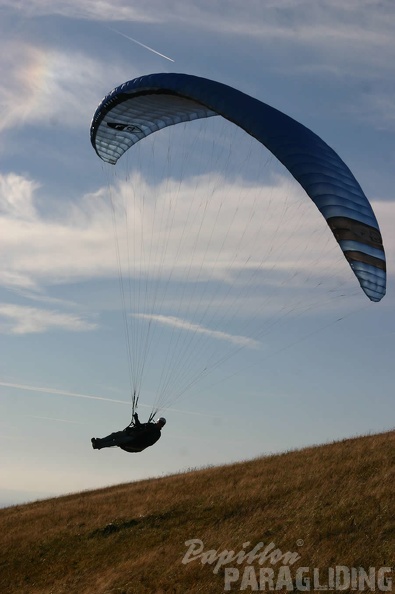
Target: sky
<point x="285" y="348"/>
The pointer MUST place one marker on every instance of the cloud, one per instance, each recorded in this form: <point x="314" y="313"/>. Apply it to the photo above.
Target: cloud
<point x="376" y="107"/>
<point x="194" y="328"/>
<point x="281" y="10"/>
<point x="107" y="10"/>
<point x="76" y="242"/>
<point x="19" y="319"/>
<point x="353" y="39"/>
<point x="243" y="235"/>
<point x="50" y="87"/>
<point x="357" y="21"/>
<point x="16" y="194"/>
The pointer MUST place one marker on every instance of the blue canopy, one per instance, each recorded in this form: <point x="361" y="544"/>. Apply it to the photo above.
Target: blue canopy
<point x="144" y="105"/>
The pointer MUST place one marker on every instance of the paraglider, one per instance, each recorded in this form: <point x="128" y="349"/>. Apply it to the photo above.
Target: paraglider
<point x="136" y="437"/>
<point x="148" y="104"/>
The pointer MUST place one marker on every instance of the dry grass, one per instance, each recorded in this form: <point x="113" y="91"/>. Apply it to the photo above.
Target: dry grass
<point x="339" y="498"/>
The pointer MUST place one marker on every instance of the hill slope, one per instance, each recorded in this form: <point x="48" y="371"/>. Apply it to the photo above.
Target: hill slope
<point x="326" y="506"/>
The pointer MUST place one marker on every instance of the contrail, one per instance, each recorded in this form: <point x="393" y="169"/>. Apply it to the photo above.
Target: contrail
<point x="141" y="44"/>
<point x="59" y="392"/>
<point x="89" y="397"/>
<point x="53" y="419"/>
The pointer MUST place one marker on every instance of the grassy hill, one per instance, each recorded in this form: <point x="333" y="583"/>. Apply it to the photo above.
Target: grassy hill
<point x="321" y="507"/>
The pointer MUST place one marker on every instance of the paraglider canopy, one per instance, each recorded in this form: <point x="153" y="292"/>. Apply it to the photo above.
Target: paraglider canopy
<point x="147" y="104"/>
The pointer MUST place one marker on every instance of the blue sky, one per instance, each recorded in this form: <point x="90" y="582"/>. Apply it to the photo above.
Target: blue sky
<point x="322" y="365"/>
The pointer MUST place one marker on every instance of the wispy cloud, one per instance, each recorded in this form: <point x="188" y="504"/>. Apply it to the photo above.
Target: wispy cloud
<point x="75" y="243"/>
<point x="16" y="194"/>
<point x="120" y="10"/>
<point x="180" y="324"/>
<point x="79" y="243"/>
<point x="353" y="39"/>
<point x="19" y="319"/>
<point x="49" y="86"/>
<point x="281" y="230"/>
<point x="284" y="12"/>
<point x="361" y="22"/>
